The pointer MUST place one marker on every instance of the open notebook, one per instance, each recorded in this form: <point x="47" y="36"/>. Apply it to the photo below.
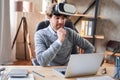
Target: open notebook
<point x="97" y="78"/>
<point x="81" y="65"/>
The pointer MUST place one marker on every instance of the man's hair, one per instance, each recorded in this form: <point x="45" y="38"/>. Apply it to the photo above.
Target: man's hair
<point x="50" y="10"/>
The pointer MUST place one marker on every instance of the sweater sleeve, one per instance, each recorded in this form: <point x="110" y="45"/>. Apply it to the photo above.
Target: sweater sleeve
<point x="82" y="42"/>
<point x="45" y="55"/>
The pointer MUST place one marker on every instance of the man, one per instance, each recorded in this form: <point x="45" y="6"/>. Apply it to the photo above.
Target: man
<point x="53" y="44"/>
<point x="68" y="24"/>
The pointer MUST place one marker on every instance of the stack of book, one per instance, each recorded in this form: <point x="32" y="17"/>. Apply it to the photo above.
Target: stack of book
<point x="20" y="74"/>
<point x="86" y="28"/>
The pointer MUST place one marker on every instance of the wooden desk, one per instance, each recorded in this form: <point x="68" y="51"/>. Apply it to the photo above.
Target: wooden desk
<point x="49" y="73"/>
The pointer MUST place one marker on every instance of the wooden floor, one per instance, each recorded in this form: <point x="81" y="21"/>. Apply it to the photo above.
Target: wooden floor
<point x="22" y="62"/>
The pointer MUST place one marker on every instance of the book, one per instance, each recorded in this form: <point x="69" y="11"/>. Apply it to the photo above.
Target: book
<point x="18" y="73"/>
<point x="82" y="31"/>
<point x="86" y="28"/>
<point x="90" y="28"/>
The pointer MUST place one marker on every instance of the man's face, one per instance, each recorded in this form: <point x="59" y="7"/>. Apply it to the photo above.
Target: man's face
<point x="57" y="22"/>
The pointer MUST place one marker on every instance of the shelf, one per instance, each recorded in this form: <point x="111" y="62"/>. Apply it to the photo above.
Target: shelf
<point x="96" y="36"/>
<point x="82" y="15"/>
<point x="88" y="16"/>
<point x="99" y="36"/>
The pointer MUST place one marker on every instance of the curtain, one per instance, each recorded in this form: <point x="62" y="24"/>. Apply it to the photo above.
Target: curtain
<point x="5" y="34"/>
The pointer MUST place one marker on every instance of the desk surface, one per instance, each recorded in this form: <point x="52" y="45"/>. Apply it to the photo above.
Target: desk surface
<point x="49" y="73"/>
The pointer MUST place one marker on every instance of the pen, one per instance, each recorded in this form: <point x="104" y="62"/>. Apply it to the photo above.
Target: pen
<point x="2" y="69"/>
<point x="38" y="73"/>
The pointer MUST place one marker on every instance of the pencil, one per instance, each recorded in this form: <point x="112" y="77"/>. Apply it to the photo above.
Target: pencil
<point x="38" y="73"/>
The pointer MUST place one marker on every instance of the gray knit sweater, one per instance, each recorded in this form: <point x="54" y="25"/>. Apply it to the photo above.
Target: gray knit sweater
<point x="49" y="50"/>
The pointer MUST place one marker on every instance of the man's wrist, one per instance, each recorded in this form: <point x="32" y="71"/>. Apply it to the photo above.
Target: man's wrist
<point x="59" y="41"/>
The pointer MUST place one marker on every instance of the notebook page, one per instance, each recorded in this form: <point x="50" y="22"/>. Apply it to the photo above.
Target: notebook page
<point x="97" y="78"/>
<point x="2" y="75"/>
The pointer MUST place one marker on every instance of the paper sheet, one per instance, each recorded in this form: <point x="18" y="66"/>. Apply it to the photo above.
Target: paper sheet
<point x="30" y="77"/>
<point x="2" y="75"/>
<point x="97" y="78"/>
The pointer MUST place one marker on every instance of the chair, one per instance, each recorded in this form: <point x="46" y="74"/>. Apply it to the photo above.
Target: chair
<point x="112" y="50"/>
<point x="45" y="24"/>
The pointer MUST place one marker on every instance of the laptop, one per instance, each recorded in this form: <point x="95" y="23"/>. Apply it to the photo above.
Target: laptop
<point x="81" y="65"/>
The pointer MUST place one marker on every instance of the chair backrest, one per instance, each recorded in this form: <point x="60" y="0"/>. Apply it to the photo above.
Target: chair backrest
<point x="42" y="25"/>
<point x="45" y="24"/>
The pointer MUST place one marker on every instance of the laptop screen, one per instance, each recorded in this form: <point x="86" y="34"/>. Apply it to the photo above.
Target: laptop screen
<point x="82" y="64"/>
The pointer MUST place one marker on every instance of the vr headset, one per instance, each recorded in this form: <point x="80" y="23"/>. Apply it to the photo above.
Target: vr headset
<point x="64" y="9"/>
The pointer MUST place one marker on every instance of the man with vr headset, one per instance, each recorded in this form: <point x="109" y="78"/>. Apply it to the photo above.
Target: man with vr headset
<point x="53" y="45"/>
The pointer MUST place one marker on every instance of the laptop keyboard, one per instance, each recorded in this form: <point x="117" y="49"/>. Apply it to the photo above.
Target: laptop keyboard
<point x="61" y="70"/>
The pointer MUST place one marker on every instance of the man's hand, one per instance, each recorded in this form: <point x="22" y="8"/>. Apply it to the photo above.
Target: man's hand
<point x="61" y="34"/>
